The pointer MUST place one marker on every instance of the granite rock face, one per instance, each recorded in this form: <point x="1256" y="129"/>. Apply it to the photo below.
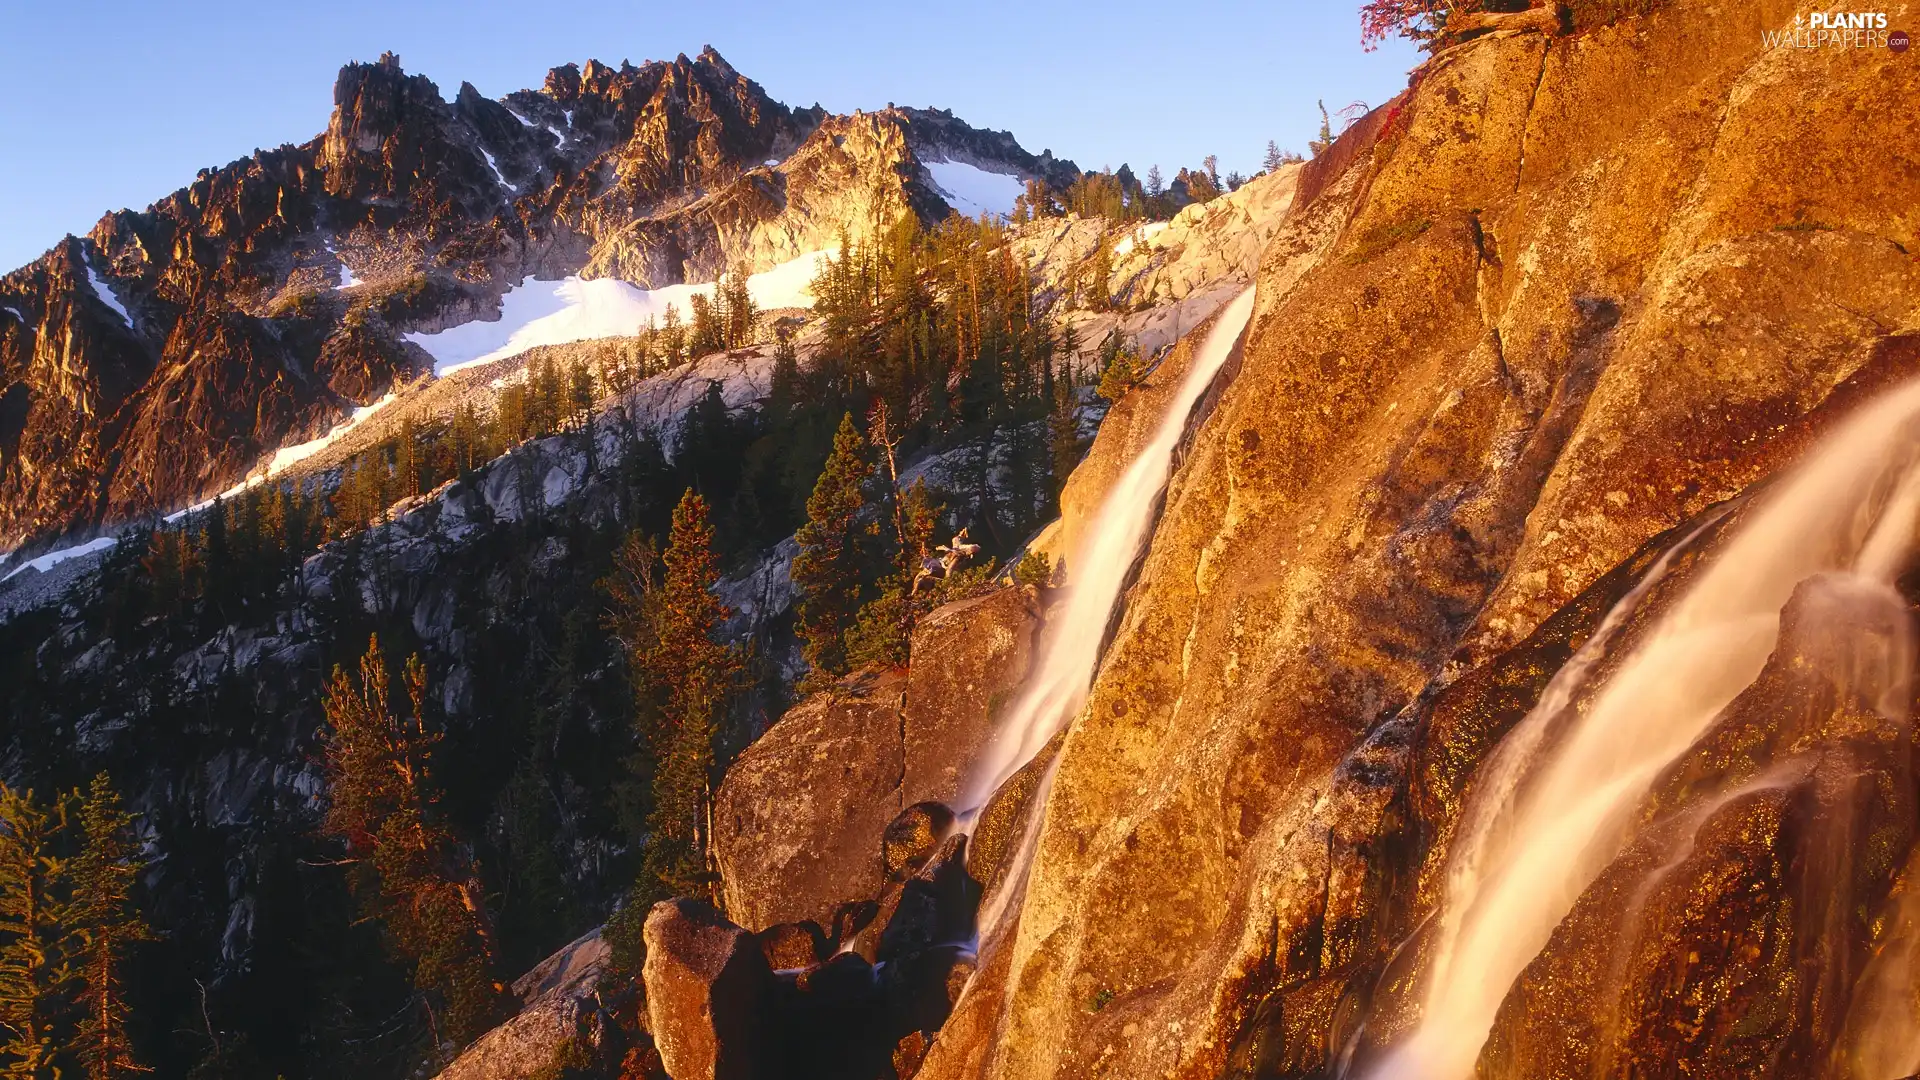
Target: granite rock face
<point x="1573" y="291"/>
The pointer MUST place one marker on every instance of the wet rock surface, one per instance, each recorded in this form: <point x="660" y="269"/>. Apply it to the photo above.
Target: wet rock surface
<point x="1570" y="300"/>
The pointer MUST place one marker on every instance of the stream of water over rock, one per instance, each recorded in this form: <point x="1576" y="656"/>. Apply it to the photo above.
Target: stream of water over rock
<point x="1556" y="803"/>
<point x="1070" y="650"/>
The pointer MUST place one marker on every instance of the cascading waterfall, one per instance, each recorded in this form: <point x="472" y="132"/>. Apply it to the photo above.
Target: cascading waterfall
<point x="1070" y="650"/>
<point x="1053" y="694"/>
<point x="1549" y="814"/>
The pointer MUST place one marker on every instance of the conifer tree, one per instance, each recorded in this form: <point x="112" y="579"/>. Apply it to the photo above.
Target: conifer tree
<point x="1319" y="145"/>
<point x="34" y="967"/>
<point x="707" y="334"/>
<point x="883" y="631"/>
<point x="827" y="571"/>
<point x="1063" y="437"/>
<point x="691" y="675"/>
<point x="580" y="395"/>
<point x="413" y="874"/>
<point x="738" y="313"/>
<point x="107" y="925"/>
<point x="1099" y="272"/>
<point x="1274" y="158"/>
<point x="673" y="338"/>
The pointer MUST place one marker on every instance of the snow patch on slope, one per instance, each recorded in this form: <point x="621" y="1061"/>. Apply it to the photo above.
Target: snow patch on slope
<point x="536" y="313"/>
<point x="53" y="558"/>
<point x="105" y="293"/>
<point x="1141" y="236"/>
<point x="288" y="456"/>
<point x="497" y="175"/>
<point x="347" y="280"/>
<point x="973" y="191"/>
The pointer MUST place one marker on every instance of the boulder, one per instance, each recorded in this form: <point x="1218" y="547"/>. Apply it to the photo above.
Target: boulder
<point x="557" y="1004"/>
<point x="866" y="939"/>
<point x="968" y="657"/>
<point x="709" y="992"/>
<point x="798" y="819"/>
<point x="791" y="946"/>
<point x="914" y="837"/>
<point x="801" y="820"/>
<point x="849" y="919"/>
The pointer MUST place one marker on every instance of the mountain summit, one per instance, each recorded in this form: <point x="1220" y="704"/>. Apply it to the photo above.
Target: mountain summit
<point x="151" y="363"/>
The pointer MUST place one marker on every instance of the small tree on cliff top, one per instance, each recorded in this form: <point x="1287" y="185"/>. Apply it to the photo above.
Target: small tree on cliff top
<point x="1423" y="22"/>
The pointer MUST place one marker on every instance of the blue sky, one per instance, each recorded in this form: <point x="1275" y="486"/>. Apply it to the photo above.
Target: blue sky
<point x="104" y="105"/>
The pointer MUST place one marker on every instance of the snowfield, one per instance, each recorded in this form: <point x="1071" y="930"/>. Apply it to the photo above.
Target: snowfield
<point x="347" y="280"/>
<point x="53" y="558"/>
<point x="537" y="313"/>
<point x="288" y="456"/>
<point x="973" y="191"/>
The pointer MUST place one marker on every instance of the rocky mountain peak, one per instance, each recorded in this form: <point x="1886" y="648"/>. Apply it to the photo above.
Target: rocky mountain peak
<point x="269" y="295"/>
<point x="383" y="123"/>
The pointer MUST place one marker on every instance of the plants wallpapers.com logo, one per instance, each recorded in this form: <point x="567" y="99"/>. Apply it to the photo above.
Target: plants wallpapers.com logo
<point x="1838" y="30"/>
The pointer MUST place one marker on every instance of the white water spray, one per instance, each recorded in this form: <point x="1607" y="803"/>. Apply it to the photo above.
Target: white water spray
<point x="1543" y="823"/>
<point x="1053" y="694"/>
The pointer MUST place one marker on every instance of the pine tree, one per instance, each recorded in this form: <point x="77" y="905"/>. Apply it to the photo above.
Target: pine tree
<point x="1274" y="158"/>
<point x="106" y="925"/>
<point x="738" y="313"/>
<point x="1099" y="272"/>
<point x="692" y="673"/>
<point x="580" y="395"/>
<point x="883" y="631"/>
<point x="1156" y="185"/>
<point x="407" y="458"/>
<point x="673" y="338"/>
<point x="1319" y="145"/>
<point x="34" y="969"/>
<point x="707" y="334"/>
<point x="827" y="571"/>
<point x="1063" y="437"/>
<point x="412" y="873"/>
